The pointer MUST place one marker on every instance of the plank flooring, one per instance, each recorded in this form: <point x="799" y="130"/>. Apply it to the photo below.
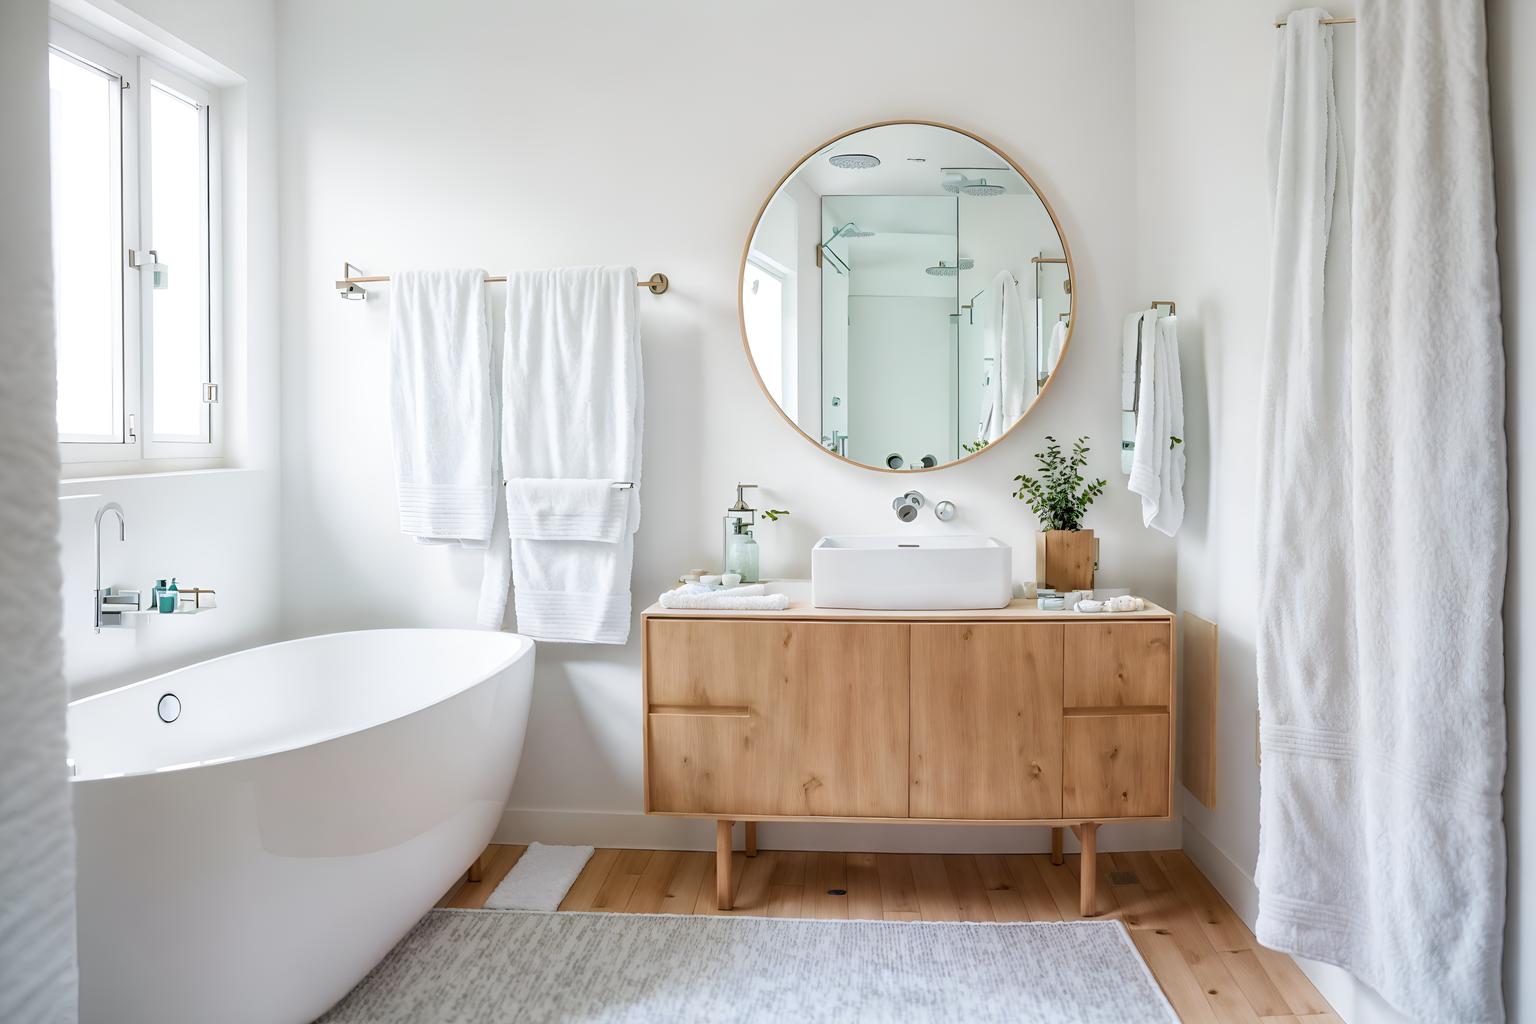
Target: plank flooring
<point x="1202" y="954"/>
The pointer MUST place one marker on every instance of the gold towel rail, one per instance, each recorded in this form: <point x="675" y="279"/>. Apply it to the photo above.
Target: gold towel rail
<point x="1325" y="21"/>
<point x="348" y="284"/>
<point x="1173" y="307"/>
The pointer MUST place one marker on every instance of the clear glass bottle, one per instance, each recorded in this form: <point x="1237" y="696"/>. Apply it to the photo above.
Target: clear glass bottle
<point x="740" y="549"/>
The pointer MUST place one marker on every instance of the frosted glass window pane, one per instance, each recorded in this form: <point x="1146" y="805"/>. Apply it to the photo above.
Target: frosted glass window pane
<point x="178" y="206"/>
<point x="762" y="304"/>
<point x="87" y="222"/>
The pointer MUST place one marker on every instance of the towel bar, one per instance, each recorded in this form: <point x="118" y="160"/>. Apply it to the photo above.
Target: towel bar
<point x="348" y="285"/>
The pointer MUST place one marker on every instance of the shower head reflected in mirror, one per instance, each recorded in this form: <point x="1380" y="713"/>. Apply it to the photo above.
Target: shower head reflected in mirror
<point x="946" y="270"/>
<point x="958" y="184"/>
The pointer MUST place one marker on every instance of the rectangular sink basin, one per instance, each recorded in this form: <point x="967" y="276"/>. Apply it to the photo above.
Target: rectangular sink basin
<point x="911" y="573"/>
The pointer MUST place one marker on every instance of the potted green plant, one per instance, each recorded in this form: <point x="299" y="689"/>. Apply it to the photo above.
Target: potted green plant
<point x="1059" y="498"/>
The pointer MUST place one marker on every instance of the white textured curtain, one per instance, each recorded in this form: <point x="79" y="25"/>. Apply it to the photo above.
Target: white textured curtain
<point x="37" y="855"/>
<point x="1382" y="549"/>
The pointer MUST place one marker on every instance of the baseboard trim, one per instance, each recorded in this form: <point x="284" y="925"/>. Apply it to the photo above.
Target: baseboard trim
<point x="1352" y="1000"/>
<point x="628" y="830"/>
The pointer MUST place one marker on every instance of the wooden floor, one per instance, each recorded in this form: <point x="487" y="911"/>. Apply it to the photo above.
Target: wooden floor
<point x="1203" y="955"/>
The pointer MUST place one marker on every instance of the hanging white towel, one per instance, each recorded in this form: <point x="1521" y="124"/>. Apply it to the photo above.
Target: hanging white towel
<point x="572" y="412"/>
<point x="1157" y="466"/>
<point x="1012" y="385"/>
<point x="1058" y="344"/>
<point x="1381" y="845"/>
<point x="441" y="410"/>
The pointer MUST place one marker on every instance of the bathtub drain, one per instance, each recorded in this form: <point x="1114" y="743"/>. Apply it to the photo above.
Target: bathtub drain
<point x="170" y="707"/>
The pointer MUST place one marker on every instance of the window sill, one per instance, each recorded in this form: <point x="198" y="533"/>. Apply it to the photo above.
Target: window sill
<point x="93" y="481"/>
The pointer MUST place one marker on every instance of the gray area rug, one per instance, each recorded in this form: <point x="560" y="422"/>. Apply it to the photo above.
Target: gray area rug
<point x="491" y="967"/>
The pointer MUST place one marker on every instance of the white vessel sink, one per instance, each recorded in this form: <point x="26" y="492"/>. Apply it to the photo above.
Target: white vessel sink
<point x="911" y="572"/>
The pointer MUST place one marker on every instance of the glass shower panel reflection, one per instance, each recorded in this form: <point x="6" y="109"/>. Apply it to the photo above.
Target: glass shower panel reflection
<point x="889" y="292"/>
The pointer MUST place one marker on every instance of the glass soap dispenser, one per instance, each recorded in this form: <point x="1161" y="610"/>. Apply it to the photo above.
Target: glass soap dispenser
<point x="740" y="545"/>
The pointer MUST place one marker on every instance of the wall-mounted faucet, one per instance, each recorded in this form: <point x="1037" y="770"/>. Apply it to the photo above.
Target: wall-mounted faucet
<point x="907" y="506"/>
<point x="122" y="534"/>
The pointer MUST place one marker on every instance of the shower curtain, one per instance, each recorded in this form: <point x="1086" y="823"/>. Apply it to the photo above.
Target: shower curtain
<point x="1383" y="519"/>
<point x="37" y="857"/>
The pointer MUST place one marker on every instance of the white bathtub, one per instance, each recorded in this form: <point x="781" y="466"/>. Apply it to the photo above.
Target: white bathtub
<point x="253" y="859"/>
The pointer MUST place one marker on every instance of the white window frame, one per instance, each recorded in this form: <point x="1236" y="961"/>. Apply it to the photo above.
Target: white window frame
<point x="139" y="446"/>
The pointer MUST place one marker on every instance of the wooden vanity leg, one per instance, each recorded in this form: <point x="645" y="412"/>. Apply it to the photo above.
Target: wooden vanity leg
<point x="477" y="869"/>
<point x="1056" y="857"/>
<point x="1088" y="871"/>
<point x="751" y="838"/>
<point x="723" y="864"/>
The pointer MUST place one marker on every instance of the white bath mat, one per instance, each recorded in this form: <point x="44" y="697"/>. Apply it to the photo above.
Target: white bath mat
<point x="483" y="967"/>
<point x="540" y="878"/>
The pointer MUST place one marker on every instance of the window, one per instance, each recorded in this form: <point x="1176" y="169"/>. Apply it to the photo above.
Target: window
<point x="762" y="304"/>
<point x="134" y="215"/>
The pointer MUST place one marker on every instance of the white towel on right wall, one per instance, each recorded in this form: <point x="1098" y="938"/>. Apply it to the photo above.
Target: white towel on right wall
<point x="1383" y="517"/>
<point x="1157" y="464"/>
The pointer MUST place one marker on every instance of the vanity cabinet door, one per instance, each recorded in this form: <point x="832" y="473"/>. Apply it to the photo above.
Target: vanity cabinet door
<point x="1118" y="664"/>
<point x="1116" y="766"/>
<point x="777" y="718"/>
<point x="986" y="721"/>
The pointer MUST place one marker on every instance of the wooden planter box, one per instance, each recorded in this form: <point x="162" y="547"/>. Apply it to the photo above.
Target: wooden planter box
<point x="1064" y="559"/>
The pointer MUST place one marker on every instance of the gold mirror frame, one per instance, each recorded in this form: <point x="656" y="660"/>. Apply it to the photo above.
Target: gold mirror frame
<point x="741" y="278"/>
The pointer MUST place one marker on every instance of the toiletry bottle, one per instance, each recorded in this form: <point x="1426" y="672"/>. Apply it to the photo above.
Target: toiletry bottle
<point x="154" y="594"/>
<point x="169" y="597"/>
<point x="740" y="554"/>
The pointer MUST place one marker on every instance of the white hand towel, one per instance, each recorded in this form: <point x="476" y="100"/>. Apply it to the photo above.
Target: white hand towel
<point x="596" y="510"/>
<point x="1008" y="341"/>
<point x="441" y="409"/>
<point x="1381" y="845"/>
<point x="1058" y="344"/>
<point x="1157" y="466"/>
<point x="572" y="410"/>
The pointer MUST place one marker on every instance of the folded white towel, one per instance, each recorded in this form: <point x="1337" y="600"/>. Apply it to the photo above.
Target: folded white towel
<point x="572" y="411"/>
<point x="540" y="878"/>
<point x="724" y="599"/>
<point x="1157" y="466"/>
<point x="567" y="510"/>
<point x="441" y="411"/>
<point x="744" y="590"/>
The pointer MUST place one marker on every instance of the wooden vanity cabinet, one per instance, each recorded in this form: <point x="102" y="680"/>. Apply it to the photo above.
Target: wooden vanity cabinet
<point x="1014" y="716"/>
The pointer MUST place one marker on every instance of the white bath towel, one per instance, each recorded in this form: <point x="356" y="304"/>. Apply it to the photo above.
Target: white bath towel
<point x="1381" y="845"/>
<point x="540" y="878"/>
<point x="441" y="409"/>
<point x="37" y="835"/>
<point x="541" y="509"/>
<point x="1157" y="466"/>
<point x="1132" y="340"/>
<point x="572" y="410"/>
<point x="1008" y="339"/>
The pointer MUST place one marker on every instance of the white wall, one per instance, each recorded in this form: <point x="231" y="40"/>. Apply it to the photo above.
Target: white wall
<point x="216" y="528"/>
<point x="504" y="136"/>
<point x="1511" y="36"/>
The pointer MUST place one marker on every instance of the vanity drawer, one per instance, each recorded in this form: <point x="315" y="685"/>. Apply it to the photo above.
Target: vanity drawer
<point x="1117" y="664"/>
<point x="1114" y="765"/>
<point x="777" y="718"/>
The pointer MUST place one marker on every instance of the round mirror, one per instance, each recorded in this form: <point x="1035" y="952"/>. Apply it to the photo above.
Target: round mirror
<point x="906" y="295"/>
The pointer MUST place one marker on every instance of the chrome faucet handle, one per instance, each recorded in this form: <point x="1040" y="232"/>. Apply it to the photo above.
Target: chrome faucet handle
<point x="907" y="505"/>
<point x="945" y="511"/>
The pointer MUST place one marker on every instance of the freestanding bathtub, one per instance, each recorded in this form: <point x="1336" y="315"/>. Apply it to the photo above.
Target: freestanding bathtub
<point x="252" y="858"/>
